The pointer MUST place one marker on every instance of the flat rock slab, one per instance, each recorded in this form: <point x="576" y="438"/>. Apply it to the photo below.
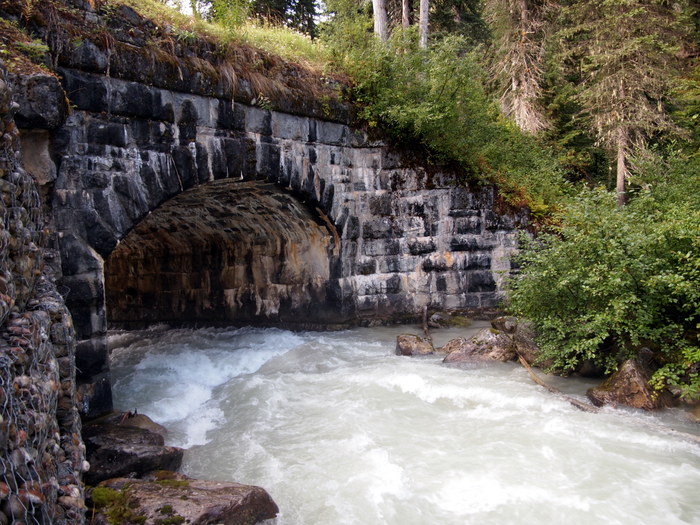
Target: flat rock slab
<point x="166" y="497"/>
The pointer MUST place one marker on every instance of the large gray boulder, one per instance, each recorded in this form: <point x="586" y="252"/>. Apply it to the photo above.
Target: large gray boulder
<point x="166" y="497"/>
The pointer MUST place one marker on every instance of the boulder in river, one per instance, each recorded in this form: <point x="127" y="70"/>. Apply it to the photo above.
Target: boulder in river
<point x="409" y="344"/>
<point x="487" y="345"/>
<point x="115" y="448"/>
<point x="167" y="497"/>
<point x="630" y="386"/>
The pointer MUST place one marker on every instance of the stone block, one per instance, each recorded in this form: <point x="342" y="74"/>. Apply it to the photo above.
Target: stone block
<point x="133" y="99"/>
<point x="94" y="398"/>
<point x="185" y="166"/>
<point x="258" y="121"/>
<point x="421" y="245"/>
<point x="107" y="133"/>
<point x="42" y="101"/>
<point x="87" y="57"/>
<point x="437" y="262"/>
<point x="481" y="281"/>
<point x="332" y="133"/>
<point x="467" y="225"/>
<point x="85" y="91"/>
<point x="495" y="222"/>
<point x="381" y="204"/>
<point x="76" y="256"/>
<point x="381" y="247"/>
<point x="291" y="127"/>
<point x="91" y="358"/>
<point x="468" y="243"/>
<point x="378" y="229"/>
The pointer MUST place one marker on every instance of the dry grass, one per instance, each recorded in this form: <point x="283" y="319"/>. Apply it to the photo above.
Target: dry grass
<point x="274" y="67"/>
<point x="19" y="53"/>
<point x="285" y="43"/>
<point x="278" y="63"/>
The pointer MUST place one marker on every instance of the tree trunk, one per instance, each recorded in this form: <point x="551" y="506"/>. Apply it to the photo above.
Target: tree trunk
<point x="405" y="13"/>
<point x="381" y="27"/>
<point x="622" y="171"/>
<point x="423" y="24"/>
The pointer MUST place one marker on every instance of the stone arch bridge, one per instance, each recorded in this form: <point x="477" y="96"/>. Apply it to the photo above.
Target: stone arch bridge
<point x="182" y="208"/>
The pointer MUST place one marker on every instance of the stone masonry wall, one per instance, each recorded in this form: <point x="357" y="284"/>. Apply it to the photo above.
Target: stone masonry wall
<point x="41" y="450"/>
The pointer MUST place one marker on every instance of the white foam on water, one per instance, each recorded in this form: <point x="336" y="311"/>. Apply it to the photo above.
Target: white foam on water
<point x="341" y="431"/>
<point x="177" y="372"/>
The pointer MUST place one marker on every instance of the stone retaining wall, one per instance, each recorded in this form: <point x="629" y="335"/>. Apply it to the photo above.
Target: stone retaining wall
<point x="41" y="450"/>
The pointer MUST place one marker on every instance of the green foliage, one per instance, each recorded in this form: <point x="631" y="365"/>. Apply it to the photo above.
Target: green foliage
<point x="231" y="14"/>
<point x="624" y="54"/>
<point x="611" y="279"/>
<point x="114" y="504"/>
<point x="569" y="133"/>
<point x="36" y="50"/>
<point x="686" y="106"/>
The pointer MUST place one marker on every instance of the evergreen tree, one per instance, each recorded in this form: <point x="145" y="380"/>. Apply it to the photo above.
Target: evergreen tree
<point x="274" y="11"/>
<point x="301" y="15"/>
<point x="624" y="51"/>
<point x="519" y="27"/>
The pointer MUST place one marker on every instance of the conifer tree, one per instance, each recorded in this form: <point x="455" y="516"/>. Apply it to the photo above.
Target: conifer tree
<point x="519" y="28"/>
<point x="624" y="51"/>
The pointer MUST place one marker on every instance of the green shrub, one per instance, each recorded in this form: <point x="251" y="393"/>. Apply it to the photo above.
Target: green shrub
<point x="611" y="279"/>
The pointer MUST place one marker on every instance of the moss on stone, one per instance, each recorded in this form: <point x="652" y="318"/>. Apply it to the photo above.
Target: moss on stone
<point x="173" y="483"/>
<point x="116" y="506"/>
<point x="171" y="520"/>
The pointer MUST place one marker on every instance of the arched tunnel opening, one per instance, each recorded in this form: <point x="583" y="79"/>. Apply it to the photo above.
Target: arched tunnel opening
<point x="226" y="252"/>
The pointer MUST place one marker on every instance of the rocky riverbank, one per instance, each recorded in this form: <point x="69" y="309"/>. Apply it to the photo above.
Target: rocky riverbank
<point x="510" y="340"/>
<point x="132" y="479"/>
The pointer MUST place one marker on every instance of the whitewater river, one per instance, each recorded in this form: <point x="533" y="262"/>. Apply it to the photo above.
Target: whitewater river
<point x="340" y="431"/>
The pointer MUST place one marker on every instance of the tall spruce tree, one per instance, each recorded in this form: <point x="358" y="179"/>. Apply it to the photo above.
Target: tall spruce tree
<point x="519" y="28"/>
<point x="624" y="51"/>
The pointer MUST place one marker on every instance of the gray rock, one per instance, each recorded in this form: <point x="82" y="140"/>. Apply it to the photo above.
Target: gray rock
<point x="162" y="496"/>
<point x="487" y="345"/>
<point x="42" y="101"/>
<point x="115" y="450"/>
<point x="410" y="345"/>
<point x="505" y="324"/>
<point x="629" y="386"/>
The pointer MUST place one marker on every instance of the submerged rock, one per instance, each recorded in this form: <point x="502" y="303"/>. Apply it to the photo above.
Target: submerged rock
<point x="630" y="386"/>
<point x="409" y="344"/>
<point x="116" y="449"/>
<point x="487" y="345"/>
<point x="166" y="497"/>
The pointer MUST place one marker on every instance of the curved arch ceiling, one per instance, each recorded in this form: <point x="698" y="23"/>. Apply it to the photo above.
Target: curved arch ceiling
<point x="224" y="252"/>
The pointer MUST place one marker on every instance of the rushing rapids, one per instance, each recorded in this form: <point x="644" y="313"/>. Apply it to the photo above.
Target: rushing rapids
<point x="341" y="431"/>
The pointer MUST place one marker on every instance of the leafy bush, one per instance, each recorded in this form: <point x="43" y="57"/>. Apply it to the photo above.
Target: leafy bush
<point x="611" y="279"/>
